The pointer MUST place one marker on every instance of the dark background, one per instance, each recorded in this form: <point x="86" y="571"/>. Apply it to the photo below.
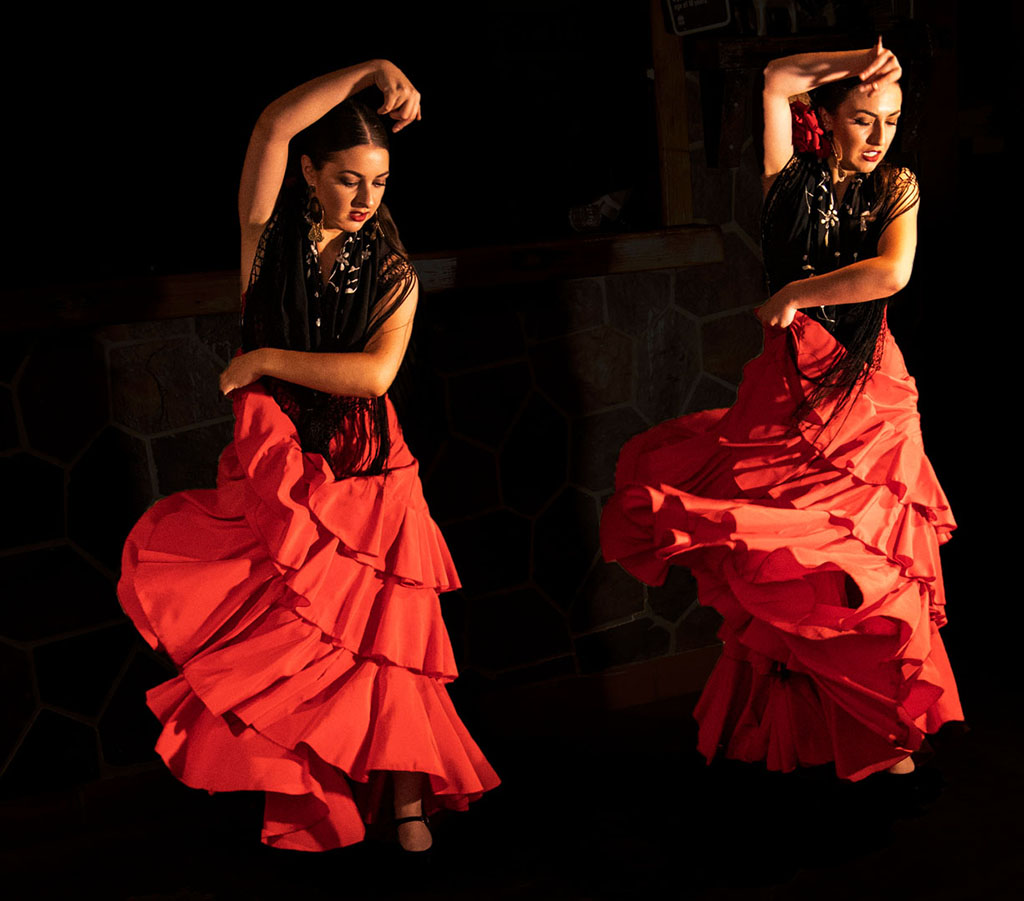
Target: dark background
<point x="122" y="158"/>
<point x="127" y="150"/>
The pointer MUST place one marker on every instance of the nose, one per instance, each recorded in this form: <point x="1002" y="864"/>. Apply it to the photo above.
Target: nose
<point x="876" y="137"/>
<point x="364" y="196"/>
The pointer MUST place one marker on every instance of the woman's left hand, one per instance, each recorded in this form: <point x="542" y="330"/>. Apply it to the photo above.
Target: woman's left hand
<point x="778" y="310"/>
<point x="242" y="370"/>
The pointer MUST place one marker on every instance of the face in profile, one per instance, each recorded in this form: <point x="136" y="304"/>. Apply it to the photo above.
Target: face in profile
<point x="349" y="185"/>
<point x="864" y="125"/>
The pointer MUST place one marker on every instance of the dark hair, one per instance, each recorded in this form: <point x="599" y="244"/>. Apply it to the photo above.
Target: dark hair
<point x="284" y="304"/>
<point x="830" y="95"/>
<point x="350" y="124"/>
<point x="895" y="193"/>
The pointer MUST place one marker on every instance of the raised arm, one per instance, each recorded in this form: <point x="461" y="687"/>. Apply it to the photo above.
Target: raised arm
<point x="267" y="155"/>
<point x="792" y="75"/>
<point x="870" y="279"/>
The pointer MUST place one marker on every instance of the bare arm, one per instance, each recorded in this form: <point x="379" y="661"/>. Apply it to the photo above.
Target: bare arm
<point x="365" y="373"/>
<point x="267" y="154"/>
<point x="870" y="279"/>
<point x="791" y="75"/>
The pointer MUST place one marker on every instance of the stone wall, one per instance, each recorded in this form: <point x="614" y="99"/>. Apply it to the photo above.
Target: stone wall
<point x="519" y="401"/>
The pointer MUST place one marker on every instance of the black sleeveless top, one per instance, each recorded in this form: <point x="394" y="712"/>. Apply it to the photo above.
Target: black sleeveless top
<point x="805" y="231"/>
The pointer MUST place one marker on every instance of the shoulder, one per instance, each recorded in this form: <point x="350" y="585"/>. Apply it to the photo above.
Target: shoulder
<point x="394" y="269"/>
<point x="801" y="174"/>
<point x="896" y="191"/>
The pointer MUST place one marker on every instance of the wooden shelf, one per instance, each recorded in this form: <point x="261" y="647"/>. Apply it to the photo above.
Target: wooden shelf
<point x="202" y="293"/>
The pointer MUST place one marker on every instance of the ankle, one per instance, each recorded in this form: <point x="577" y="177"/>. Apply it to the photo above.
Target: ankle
<point x="902" y="767"/>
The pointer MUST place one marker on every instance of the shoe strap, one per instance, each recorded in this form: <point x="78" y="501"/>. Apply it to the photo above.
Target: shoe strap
<point x="420" y="819"/>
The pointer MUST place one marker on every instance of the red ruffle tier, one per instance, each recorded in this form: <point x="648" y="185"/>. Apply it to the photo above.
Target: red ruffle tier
<point x="783" y="531"/>
<point x="304" y="618"/>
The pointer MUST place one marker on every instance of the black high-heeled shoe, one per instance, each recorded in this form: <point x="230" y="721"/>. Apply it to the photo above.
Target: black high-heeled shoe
<point x="421" y="818"/>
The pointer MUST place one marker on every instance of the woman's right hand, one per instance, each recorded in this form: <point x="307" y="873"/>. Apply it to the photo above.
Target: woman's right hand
<point x="401" y="99"/>
<point x="883" y="69"/>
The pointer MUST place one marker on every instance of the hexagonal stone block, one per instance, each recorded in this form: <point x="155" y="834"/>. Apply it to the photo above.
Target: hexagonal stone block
<point x="33" y="493"/>
<point x="628" y="643"/>
<point x="484" y="404"/>
<point x="58" y="753"/>
<point x="730" y="343"/>
<point x="63" y="394"/>
<point x="128" y="730"/>
<point x="14" y="348"/>
<point x="453" y="329"/>
<point x="188" y="459"/>
<point x="676" y="596"/>
<point x="462" y="482"/>
<point x="491" y="551"/>
<point x="709" y="394"/>
<point x="565" y="544"/>
<point x="77" y="673"/>
<point x="635" y="299"/>
<point x="668" y="364"/>
<point x="533" y="460"/>
<point x="610" y="593"/>
<point x="9" y="437"/>
<point x="699" y="629"/>
<point x="514" y="628"/>
<point x="52" y="591"/>
<point x="19" y="698"/>
<point x="109" y="489"/>
<point x="221" y="333"/>
<point x="553" y="310"/>
<point x="596" y="442"/>
<point x="587" y="371"/>
<point x="738" y="281"/>
<point x="158" y="386"/>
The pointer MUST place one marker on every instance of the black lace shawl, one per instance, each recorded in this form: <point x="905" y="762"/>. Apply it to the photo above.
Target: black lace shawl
<point x="288" y="306"/>
<point x="805" y="232"/>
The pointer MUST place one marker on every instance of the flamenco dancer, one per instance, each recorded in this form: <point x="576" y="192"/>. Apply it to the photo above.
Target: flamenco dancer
<point x="299" y="599"/>
<point x="808" y="512"/>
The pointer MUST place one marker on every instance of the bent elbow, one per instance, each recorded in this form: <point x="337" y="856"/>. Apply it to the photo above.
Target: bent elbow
<point x="897" y="278"/>
<point x="379" y="384"/>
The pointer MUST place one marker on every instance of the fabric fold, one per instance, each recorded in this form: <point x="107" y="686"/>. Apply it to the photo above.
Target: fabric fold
<point x="304" y="617"/>
<point x="818" y="545"/>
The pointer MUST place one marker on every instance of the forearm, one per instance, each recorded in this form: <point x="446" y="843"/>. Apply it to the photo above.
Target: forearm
<point x="859" y="282"/>
<point x="302" y="106"/>
<point x="790" y="75"/>
<point x="356" y="374"/>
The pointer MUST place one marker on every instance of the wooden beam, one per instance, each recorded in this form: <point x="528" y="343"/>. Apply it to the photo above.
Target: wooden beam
<point x="197" y="294"/>
<point x="670" y="114"/>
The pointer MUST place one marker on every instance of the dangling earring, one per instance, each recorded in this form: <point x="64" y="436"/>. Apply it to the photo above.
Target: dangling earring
<point x="377" y="230"/>
<point x="315" y="215"/>
<point x="837" y="155"/>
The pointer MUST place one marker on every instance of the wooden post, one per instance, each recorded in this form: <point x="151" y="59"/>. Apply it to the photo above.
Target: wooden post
<point x="670" y="112"/>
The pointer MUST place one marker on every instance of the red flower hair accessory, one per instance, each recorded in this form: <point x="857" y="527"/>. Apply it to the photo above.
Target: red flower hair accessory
<point x="808" y="135"/>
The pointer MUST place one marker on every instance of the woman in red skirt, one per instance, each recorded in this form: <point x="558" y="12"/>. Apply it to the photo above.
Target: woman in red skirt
<point x="808" y="512"/>
<point x="299" y="599"/>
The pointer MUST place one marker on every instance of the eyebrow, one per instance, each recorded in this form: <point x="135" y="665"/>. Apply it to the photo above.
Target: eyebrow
<point x="360" y="174"/>
<point x="867" y="112"/>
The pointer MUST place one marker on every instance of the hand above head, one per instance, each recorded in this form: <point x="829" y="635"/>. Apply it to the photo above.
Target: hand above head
<point x="882" y="69"/>
<point x="401" y="99"/>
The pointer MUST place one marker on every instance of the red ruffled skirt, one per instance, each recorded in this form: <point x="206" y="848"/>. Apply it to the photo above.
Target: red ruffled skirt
<point x="303" y="615"/>
<point x="820" y="549"/>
